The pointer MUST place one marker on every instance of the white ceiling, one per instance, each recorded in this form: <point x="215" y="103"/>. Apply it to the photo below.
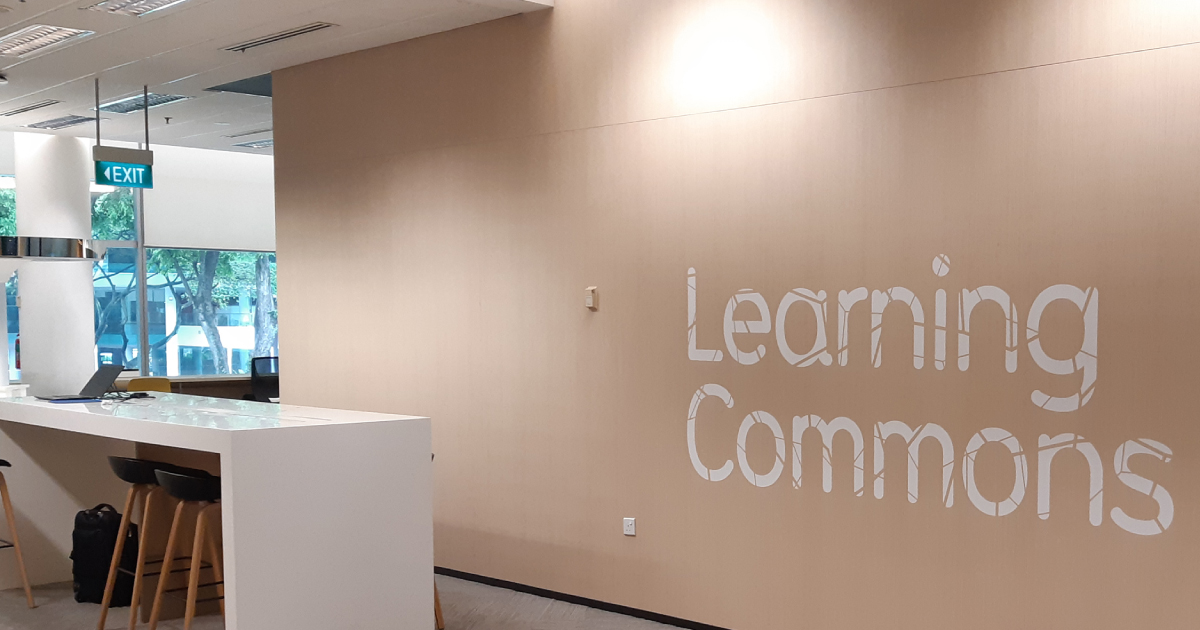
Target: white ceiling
<point x="179" y="50"/>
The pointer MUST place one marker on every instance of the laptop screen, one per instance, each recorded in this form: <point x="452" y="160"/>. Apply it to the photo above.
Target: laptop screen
<point x="102" y="381"/>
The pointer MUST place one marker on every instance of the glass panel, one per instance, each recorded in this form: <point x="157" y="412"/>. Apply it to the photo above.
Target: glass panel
<point x="113" y="216"/>
<point x="14" y="328"/>
<point x="115" y="282"/>
<point x="204" y="311"/>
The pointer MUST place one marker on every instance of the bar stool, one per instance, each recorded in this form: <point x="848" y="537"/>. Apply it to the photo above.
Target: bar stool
<point x="139" y="473"/>
<point x="12" y="529"/>
<point x="203" y="492"/>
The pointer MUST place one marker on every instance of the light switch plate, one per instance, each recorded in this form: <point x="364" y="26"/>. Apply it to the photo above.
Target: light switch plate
<point x="631" y="527"/>
<point x="591" y="298"/>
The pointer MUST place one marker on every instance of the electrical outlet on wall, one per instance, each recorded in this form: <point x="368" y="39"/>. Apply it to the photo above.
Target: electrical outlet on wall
<point x="631" y="527"/>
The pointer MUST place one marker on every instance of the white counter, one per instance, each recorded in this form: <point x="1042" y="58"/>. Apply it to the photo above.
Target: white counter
<point x="327" y="514"/>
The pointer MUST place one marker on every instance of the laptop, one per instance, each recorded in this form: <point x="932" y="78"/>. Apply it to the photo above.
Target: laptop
<point x="101" y="382"/>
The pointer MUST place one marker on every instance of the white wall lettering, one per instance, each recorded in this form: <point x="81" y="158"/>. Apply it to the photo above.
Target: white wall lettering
<point x="723" y="395"/>
<point x="1048" y="447"/>
<point x="967" y="302"/>
<point x="800" y="351"/>
<point x="1166" y="507"/>
<point x="1085" y="360"/>
<point x="879" y="303"/>
<point x="827" y="431"/>
<point x="818" y="351"/>
<point x="1020" y="482"/>
<point x="769" y="421"/>
<point x="846" y="301"/>
<point x="694" y="352"/>
<point x="762" y="325"/>
<point x="912" y="439"/>
<point x="939" y="330"/>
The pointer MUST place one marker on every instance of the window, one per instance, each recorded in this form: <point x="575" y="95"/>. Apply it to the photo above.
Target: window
<point x="14" y="327"/>
<point x="114" y="215"/>
<point x="8" y="206"/>
<point x="210" y="311"/>
<point x="114" y="280"/>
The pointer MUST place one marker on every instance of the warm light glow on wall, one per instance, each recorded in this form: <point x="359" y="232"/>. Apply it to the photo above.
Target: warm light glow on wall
<point x="725" y="56"/>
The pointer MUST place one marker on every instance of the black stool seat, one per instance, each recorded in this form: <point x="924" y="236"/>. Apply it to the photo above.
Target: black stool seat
<point x="190" y="487"/>
<point x="141" y="471"/>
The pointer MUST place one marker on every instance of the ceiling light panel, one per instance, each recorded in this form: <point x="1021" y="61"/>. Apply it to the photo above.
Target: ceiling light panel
<point x="134" y="8"/>
<point x="30" y="107"/>
<point x="257" y="144"/>
<point x="36" y="38"/>
<point x="137" y="103"/>
<point x="54" y="124"/>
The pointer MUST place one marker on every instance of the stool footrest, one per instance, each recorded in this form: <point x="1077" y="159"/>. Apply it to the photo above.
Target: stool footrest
<point x="188" y="559"/>
<point x="176" y="592"/>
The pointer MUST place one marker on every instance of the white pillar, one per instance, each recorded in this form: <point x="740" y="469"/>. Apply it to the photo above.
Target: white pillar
<point x="58" y="348"/>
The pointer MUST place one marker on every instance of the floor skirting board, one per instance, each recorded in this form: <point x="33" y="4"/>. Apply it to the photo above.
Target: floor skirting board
<point x="575" y="599"/>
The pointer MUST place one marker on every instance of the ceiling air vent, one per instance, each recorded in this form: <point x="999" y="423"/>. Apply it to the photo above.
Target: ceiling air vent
<point x="30" y="107"/>
<point x="36" y="38"/>
<point x="134" y="8"/>
<point x="136" y="103"/>
<point x="257" y="144"/>
<point x="250" y="133"/>
<point x="278" y="37"/>
<point x="55" y="124"/>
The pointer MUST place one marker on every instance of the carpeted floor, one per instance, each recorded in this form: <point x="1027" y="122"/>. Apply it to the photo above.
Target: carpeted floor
<point x="466" y="605"/>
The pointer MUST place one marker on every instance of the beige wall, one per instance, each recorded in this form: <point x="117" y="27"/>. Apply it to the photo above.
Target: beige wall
<point x="442" y="204"/>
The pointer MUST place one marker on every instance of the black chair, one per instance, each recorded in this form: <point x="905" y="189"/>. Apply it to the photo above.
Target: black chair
<point x="140" y="474"/>
<point x="264" y="378"/>
<point x="192" y="491"/>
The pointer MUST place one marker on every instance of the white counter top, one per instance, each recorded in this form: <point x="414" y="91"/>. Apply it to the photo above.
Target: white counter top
<point x="195" y="422"/>
<point x="196" y="411"/>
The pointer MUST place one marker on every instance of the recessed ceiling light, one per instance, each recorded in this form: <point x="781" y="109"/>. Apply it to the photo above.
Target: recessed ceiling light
<point x="243" y="134"/>
<point x="257" y="144"/>
<point x="223" y="124"/>
<point x="278" y="37"/>
<point x="30" y="107"/>
<point x="54" y="124"/>
<point x="37" y="37"/>
<point x="137" y="102"/>
<point x="135" y="8"/>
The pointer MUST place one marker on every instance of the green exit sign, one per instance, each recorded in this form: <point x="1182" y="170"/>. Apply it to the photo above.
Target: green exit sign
<point x="124" y="168"/>
<point x="124" y="175"/>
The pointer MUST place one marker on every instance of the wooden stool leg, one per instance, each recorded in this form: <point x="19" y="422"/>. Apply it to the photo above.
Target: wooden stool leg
<point x="194" y="574"/>
<point x="122" y="532"/>
<point x="149" y="500"/>
<point x="16" y="541"/>
<point x="165" y="575"/>
<point x="437" y="609"/>
<point x="214" y="553"/>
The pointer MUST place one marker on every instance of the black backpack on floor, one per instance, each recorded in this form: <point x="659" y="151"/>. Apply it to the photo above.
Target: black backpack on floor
<point x="93" y="543"/>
